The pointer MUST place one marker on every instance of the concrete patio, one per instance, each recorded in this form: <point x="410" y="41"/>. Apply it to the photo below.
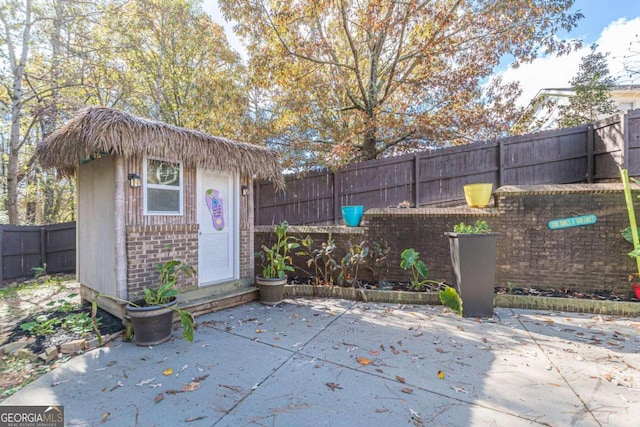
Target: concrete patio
<point x="325" y="362"/>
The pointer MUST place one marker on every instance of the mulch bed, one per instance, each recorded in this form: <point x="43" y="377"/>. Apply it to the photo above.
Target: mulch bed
<point x="110" y="325"/>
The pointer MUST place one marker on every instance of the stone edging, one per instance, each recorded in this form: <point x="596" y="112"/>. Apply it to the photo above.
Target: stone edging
<point x="618" y="308"/>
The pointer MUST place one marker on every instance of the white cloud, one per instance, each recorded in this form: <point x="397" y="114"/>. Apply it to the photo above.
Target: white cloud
<point x="556" y="71"/>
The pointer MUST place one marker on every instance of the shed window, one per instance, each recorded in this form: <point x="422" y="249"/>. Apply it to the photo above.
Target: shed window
<point x="163" y="187"/>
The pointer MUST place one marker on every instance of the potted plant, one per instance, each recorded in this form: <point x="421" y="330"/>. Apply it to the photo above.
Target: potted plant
<point x="276" y="261"/>
<point x="473" y="257"/>
<point x="152" y="317"/>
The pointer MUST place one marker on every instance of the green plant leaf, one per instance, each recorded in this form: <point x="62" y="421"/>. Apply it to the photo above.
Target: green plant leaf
<point x="449" y="297"/>
<point x="409" y="257"/>
<point x="186" y="321"/>
<point x="626" y="233"/>
<point x="422" y="269"/>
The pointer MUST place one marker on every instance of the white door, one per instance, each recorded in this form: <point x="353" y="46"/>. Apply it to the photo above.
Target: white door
<point x="218" y="220"/>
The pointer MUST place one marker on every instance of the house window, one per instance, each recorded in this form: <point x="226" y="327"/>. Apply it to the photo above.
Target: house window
<point x="163" y="187"/>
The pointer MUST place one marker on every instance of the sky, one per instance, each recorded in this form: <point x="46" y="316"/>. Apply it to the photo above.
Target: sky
<point x="612" y="24"/>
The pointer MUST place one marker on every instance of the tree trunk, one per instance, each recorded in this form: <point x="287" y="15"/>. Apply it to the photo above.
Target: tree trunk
<point x="17" y="69"/>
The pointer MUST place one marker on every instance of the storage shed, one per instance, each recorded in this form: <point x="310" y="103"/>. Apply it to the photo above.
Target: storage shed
<point x="148" y="192"/>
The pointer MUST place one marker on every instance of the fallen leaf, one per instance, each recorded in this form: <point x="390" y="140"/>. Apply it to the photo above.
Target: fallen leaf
<point x="400" y="343"/>
<point x="440" y="350"/>
<point x="159" y="397"/>
<point x="380" y="411"/>
<point x="554" y="385"/>
<point x="276" y="338"/>
<point x="105" y="416"/>
<point x="118" y="385"/>
<point x="192" y="419"/>
<point x="379" y="370"/>
<point x="400" y="379"/>
<point x="172" y="391"/>
<point x="193" y="385"/>
<point x="382" y="347"/>
<point x="484" y="340"/>
<point x="144" y="382"/>
<point x="460" y="328"/>
<point x="204" y="377"/>
<point x="259" y="331"/>
<point x="374" y="352"/>
<point x="407" y="390"/>
<point x="167" y="372"/>
<point x="334" y="386"/>
<point x="363" y="361"/>
<point x="295" y="315"/>
<point x="393" y="350"/>
<point x="441" y="375"/>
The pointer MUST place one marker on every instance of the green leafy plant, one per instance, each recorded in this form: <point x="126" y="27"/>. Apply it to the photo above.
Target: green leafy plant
<point x="480" y="227"/>
<point x="167" y="291"/>
<point x="410" y="260"/>
<point x="63" y="304"/>
<point x="322" y="260"/>
<point x="79" y="323"/>
<point x="42" y="326"/>
<point x="449" y="297"/>
<point x="378" y="260"/>
<point x="351" y="263"/>
<point x="276" y="259"/>
<point x="39" y="271"/>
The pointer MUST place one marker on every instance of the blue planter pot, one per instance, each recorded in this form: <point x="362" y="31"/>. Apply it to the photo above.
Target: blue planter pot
<point x="352" y="215"/>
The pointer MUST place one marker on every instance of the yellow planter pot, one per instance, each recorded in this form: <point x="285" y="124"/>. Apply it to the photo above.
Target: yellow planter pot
<point x="478" y="195"/>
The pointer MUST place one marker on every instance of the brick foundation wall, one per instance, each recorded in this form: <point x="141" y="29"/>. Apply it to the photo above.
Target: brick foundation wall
<point x="148" y="245"/>
<point x="529" y="254"/>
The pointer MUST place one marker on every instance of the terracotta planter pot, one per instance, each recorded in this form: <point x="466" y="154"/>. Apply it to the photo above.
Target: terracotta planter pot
<point x="271" y="290"/>
<point x="473" y="257"/>
<point x="151" y="324"/>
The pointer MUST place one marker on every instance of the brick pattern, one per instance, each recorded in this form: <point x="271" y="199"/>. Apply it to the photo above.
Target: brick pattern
<point x="529" y="254"/>
<point x="150" y="244"/>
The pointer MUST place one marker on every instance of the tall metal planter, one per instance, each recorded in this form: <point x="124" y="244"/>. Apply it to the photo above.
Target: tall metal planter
<point x="473" y="257"/>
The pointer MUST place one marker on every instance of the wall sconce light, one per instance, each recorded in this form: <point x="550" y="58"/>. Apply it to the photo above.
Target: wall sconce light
<point x="244" y="190"/>
<point x="134" y="180"/>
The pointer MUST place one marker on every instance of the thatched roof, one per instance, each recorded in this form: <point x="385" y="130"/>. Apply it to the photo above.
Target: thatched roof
<point x="99" y="130"/>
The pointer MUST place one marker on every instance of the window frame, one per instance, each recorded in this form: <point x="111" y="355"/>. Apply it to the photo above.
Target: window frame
<point x="179" y="188"/>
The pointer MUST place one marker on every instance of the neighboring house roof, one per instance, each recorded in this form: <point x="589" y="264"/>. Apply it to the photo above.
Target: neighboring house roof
<point x="627" y="97"/>
<point x="96" y="130"/>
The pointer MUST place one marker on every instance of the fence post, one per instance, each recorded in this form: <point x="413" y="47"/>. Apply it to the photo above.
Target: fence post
<point x="257" y="219"/>
<point x="1" y="255"/>
<point x="590" y="153"/>
<point x="43" y="248"/>
<point x="416" y="179"/>
<point x="336" y="214"/>
<point x="500" y="162"/>
<point x="624" y="129"/>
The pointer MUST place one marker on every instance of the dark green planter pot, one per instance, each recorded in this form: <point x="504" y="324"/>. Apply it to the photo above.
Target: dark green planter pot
<point x="271" y="290"/>
<point x="473" y="257"/>
<point x="151" y="324"/>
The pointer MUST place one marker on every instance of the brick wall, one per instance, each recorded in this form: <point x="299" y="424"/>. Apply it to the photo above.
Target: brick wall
<point x="148" y="245"/>
<point x="587" y="258"/>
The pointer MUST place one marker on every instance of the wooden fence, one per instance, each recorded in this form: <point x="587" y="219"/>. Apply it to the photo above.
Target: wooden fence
<point x="23" y="248"/>
<point x="588" y="153"/>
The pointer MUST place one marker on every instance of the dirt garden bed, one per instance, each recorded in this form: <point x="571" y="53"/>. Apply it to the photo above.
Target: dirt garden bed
<point x="43" y="324"/>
